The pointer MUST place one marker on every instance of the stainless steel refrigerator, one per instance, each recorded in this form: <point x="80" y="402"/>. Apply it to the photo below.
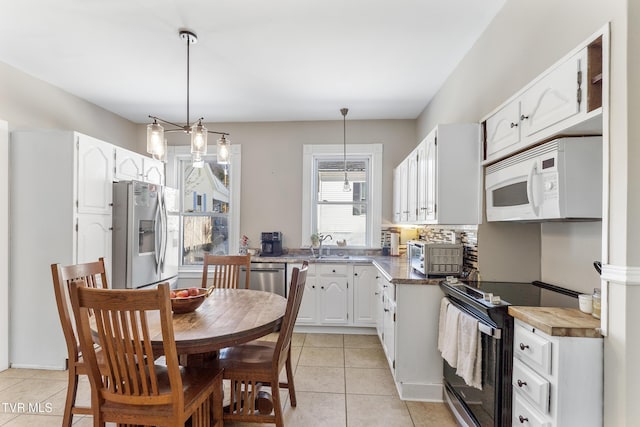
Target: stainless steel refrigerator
<point x="146" y="232"/>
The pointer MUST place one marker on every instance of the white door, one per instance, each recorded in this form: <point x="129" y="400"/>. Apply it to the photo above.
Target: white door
<point x="412" y="186"/>
<point x="128" y="165"/>
<point x="389" y="331"/>
<point x="94" y="239"/>
<point x="555" y="97"/>
<point x="364" y="294"/>
<point x="95" y="175"/>
<point x="404" y="194"/>
<point x="308" y="312"/>
<point x="153" y="171"/>
<point x="397" y="188"/>
<point x="431" y="184"/>
<point x="503" y="131"/>
<point x="333" y="300"/>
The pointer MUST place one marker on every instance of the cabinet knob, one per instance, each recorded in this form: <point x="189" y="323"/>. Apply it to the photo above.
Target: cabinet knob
<point x="386" y="310"/>
<point x="355" y="274"/>
<point x="313" y="286"/>
<point x="523" y="346"/>
<point x="522" y="419"/>
<point x="333" y="270"/>
<point x="321" y="287"/>
<point x="376" y="293"/>
<point x="514" y="125"/>
<point x="523" y="117"/>
<point x="521" y="383"/>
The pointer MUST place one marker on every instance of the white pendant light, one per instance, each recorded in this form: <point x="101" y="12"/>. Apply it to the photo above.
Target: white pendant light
<point x="346" y="187"/>
<point x="156" y="144"/>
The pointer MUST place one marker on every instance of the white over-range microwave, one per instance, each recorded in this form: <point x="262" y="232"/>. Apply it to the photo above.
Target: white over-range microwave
<point x="558" y="180"/>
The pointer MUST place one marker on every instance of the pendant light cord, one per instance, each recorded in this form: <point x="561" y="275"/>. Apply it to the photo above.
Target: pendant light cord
<point x="188" y="38"/>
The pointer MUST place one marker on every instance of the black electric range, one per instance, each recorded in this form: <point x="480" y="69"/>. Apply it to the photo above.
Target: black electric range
<point x="488" y="303"/>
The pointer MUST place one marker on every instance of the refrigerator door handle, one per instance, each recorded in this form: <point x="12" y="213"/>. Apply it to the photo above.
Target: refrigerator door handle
<point x="164" y="231"/>
<point x="158" y="235"/>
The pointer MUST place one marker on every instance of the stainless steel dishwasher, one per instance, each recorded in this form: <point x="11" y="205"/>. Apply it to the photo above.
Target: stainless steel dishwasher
<point x="266" y="276"/>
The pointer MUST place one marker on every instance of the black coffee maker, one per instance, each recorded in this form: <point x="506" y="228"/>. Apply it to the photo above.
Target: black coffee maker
<point x="271" y="243"/>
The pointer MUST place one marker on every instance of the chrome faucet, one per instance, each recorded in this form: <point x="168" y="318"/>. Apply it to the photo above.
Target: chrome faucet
<point x="322" y="238"/>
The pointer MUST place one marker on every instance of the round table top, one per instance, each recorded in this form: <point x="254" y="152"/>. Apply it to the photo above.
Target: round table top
<point x="226" y="318"/>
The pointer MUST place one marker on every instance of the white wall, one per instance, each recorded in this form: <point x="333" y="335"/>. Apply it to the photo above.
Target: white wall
<point x="4" y="245"/>
<point x="30" y="103"/>
<point x="272" y="166"/>
<point x="524" y="39"/>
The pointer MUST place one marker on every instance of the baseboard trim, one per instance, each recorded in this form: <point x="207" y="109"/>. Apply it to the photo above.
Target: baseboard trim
<point x="420" y="392"/>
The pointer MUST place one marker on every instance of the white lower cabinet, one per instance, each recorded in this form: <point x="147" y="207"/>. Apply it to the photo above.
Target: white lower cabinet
<point x="557" y="381"/>
<point x="326" y="295"/>
<point x="365" y="300"/>
<point x="340" y="294"/>
<point x="407" y="324"/>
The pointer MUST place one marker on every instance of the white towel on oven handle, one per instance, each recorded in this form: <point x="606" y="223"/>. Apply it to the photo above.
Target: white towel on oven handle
<point x="448" y="332"/>
<point x="469" y="359"/>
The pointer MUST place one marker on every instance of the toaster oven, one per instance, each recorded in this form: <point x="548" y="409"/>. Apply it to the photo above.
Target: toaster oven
<point x="435" y="259"/>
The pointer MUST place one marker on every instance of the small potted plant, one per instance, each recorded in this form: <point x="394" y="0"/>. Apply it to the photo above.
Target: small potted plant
<point x="315" y="240"/>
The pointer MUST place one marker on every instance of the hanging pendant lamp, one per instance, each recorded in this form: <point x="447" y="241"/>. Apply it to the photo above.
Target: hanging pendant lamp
<point x="346" y="187"/>
<point x="156" y="144"/>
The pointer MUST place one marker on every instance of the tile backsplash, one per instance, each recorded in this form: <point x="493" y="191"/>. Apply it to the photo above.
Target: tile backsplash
<point x="468" y="236"/>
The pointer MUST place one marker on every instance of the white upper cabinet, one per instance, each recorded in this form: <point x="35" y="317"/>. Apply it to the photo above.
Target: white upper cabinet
<point x="95" y="175"/>
<point x="128" y="165"/>
<point x="134" y="166"/>
<point x="153" y="171"/>
<point x="440" y="179"/>
<point x="566" y="99"/>
<point x="555" y="97"/>
<point x="503" y="130"/>
<point x="397" y="190"/>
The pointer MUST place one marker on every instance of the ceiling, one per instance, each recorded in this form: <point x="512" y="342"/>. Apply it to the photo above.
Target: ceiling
<point x="255" y="60"/>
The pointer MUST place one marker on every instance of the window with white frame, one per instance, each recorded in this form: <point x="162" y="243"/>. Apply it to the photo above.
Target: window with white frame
<point x="209" y="199"/>
<point x="353" y="216"/>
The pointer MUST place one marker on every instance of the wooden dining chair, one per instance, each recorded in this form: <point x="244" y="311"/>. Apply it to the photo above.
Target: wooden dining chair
<point x="259" y="363"/>
<point x="224" y="270"/>
<point x="136" y="389"/>
<point x="93" y="275"/>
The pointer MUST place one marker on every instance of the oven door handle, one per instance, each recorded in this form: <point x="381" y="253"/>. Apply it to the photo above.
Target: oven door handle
<point x="488" y="330"/>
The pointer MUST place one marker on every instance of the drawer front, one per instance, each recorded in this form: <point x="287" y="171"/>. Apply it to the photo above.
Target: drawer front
<point x="526" y="382"/>
<point x="532" y="349"/>
<point x="525" y="415"/>
<point x="332" y="269"/>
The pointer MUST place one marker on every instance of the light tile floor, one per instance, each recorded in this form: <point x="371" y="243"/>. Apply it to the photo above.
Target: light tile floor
<point x="341" y="381"/>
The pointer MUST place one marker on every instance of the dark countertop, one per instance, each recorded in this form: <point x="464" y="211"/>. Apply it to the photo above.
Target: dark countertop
<point x="394" y="268"/>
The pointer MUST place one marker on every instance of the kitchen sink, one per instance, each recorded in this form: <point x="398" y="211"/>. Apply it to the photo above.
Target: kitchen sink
<point x="338" y="258"/>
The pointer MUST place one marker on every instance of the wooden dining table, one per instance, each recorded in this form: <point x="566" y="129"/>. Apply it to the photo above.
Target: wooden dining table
<point x="226" y="318"/>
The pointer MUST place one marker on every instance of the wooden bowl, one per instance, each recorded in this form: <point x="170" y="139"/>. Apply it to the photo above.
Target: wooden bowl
<point x="190" y="303"/>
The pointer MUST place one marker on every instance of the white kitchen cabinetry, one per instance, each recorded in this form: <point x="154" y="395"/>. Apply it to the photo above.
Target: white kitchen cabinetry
<point x="365" y="300"/>
<point x="134" y="166"/>
<point x="412" y="187"/>
<point x="397" y="191"/>
<point x="326" y="295"/>
<point x="408" y="327"/>
<point x="338" y="295"/>
<point x="95" y="175"/>
<point x="153" y="171"/>
<point x="403" y="192"/>
<point x="440" y="179"/>
<point x="565" y="99"/>
<point x="60" y="212"/>
<point x="557" y="381"/>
